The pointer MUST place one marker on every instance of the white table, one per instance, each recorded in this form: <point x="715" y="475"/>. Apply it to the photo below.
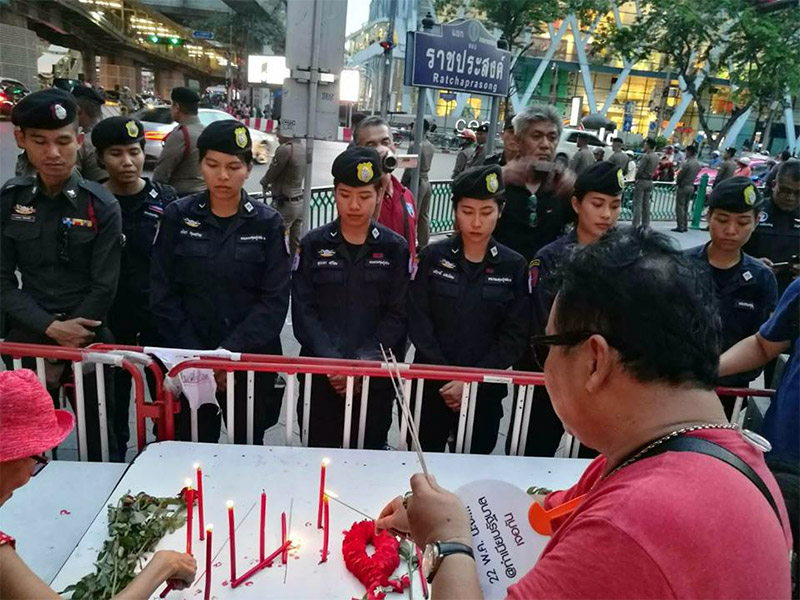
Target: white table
<point x="50" y="515"/>
<point x="366" y="479"/>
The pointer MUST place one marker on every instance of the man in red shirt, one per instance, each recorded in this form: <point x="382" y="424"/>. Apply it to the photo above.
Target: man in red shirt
<point x="633" y="357"/>
<point x="396" y="208"/>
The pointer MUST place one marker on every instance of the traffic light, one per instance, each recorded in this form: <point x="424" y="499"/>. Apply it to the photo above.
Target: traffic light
<point x="167" y="41"/>
<point x="387" y="46"/>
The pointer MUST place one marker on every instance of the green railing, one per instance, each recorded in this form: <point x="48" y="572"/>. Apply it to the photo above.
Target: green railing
<point x="323" y="205"/>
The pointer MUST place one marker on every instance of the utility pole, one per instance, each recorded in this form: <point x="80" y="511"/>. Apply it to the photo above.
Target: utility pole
<point x="388" y="45"/>
<point x="419" y="131"/>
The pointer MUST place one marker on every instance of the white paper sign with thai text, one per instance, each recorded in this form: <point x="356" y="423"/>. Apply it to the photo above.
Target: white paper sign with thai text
<point x="506" y="546"/>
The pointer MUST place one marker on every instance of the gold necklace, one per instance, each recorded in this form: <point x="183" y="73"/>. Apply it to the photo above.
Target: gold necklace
<point x="669" y="436"/>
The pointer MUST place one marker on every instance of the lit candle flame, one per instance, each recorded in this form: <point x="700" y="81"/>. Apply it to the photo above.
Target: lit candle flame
<point x="229" y="504"/>
<point x="188" y="483"/>
<point x="331" y="494"/>
<point x="209" y="527"/>
<point x="326" y="462"/>
<point x="196" y="466"/>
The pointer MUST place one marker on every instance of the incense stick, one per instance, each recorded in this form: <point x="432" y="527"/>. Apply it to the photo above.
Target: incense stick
<point x="405" y="407"/>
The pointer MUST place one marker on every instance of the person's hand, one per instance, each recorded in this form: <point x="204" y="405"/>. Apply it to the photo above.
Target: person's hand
<point x="181" y="567"/>
<point x="515" y="172"/>
<point x="73" y="333"/>
<point x="766" y="261"/>
<point x="393" y="517"/>
<point x="338" y="383"/>
<point x="563" y="183"/>
<point x="436" y="515"/>
<point x="451" y="394"/>
<point x="221" y="378"/>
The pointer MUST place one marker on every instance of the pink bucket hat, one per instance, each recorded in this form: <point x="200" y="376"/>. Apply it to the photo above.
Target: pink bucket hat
<point x="28" y="421"/>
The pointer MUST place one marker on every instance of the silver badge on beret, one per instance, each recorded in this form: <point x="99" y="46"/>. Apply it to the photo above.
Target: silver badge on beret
<point x="59" y="112"/>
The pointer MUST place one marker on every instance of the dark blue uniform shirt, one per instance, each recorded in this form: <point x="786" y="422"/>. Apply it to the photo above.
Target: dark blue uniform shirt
<point x="746" y="301"/>
<point x="469" y="315"/>
<point x="776" y="237"/>
<point x="346" y="306"/>
<point x="541" y="268"/>
<point x="215" y="286"/>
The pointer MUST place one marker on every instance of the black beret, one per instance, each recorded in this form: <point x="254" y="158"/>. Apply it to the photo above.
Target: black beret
<point x="81" y="91"/>
<point x="357" y="167"/>
<point x="482" y="183"/>
<point x="229" y="136"/>
<point x="509" y="123"/>
<point x="483" y="128"/>
<point x="116" y="131"/>
<point x="47" y="109"/>
<point x="736" y="195"/>
<point x="184" y="95"/>
<point x="603" y="177"/>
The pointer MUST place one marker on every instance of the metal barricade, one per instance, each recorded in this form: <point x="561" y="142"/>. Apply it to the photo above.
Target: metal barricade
<point x="292" y="367"/>
<point x="78" y="357"/>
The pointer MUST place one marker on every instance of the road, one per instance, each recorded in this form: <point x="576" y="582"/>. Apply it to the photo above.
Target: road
<point x="324" y="154"/>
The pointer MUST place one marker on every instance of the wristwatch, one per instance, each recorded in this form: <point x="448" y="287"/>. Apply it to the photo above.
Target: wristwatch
<point x="435" y="553"/>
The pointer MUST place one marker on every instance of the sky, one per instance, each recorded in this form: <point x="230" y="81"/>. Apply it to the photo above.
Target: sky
<point x="357" y="14"/>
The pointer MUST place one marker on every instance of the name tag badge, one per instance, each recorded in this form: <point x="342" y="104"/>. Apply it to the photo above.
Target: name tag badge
<point x="446" y="275"/>
<point x="498" y="280"/>
<point x="194" y="235"/>
<point x="151" y="215"/>
<point x="256" y="237"/>
<point x="745" y="305"/>
<point x="23" y="218"/>
<point x="330" y="263"/>
<point x="381" y="263"/>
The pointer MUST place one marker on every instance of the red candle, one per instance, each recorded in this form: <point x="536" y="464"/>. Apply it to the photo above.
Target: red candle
<point x="326" y="526"/>
<point x="232" y="533"/>
<point x="263" y="530"/>
<point x="267" y="561"/>
<point x="207" y="594"/>
<point x="200" y="515"/>
<point x="421" y="574"/>
<point x="284" y="554"/>
<point x="324" y="466"/>
<point x="189" y="513"/>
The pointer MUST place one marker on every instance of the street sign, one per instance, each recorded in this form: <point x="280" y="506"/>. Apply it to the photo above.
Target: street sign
<point x="203" y="35"/>
<point x="447" y="96"/>
<point x="300" y="21"/>
<point x="652" y="127"/>
<point x="627" y="123"/>
<point x="462" y="57"/>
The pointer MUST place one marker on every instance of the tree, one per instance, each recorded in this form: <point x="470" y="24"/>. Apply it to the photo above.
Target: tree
<point x="757" y="52"/>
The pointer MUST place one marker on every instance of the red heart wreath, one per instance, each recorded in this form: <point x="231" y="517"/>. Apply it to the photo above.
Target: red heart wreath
<point x="372" y="571"/>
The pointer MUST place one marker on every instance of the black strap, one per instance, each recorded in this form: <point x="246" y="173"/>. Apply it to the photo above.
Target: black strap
<point x="684" y="443"/>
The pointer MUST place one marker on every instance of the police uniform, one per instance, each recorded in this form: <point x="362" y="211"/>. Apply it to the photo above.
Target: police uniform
<point x="468" y="314"/>
<point x="179" y="162"/>
<point x="347" y="301"/>
<point x="66" y="247"/>
<point x="130" y="319"/>
<point x="747" y="293"/>
<point x="545" y="428"/>
<point x="285" y="178"/>
<point x="776" y="237"/>
<point x="87" y="154"/>
<point x="223" y="283"/>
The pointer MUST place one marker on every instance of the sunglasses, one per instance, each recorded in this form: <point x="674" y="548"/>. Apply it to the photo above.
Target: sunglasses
<point x="41" y="463"/>
<point x="541" y="343"/>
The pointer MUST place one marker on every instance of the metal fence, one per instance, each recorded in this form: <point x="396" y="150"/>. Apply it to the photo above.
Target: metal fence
<point x="662" y="205"/>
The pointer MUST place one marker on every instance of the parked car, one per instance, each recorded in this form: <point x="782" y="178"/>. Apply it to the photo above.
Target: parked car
<point x="568" y="146"/>
<point x="158" y="123"/>
<point x="11" y="92"/>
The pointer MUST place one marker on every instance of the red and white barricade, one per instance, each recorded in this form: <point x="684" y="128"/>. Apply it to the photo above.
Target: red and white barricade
<point x="163" y="405"/>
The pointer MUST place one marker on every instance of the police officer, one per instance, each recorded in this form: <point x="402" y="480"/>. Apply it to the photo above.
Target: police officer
<point x="685" y="188"/>
<point x="179" y="162"/>
<point x="89" y="115"/>
<point x="349" y="297"/>
<point x="220" y="278"/>
<point x="481" y="135"/>
<point x="119" y="142"/>
<point x="777" y="236"/>
<point x="469" y="307"/>
<point x="583" y="157"/>
<point x="596" y="201"/>
<point x="424" y="191"/>
<point x="284" y="180"/>
<point x="62" y="233"/>
<point x="746" y="289"/>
